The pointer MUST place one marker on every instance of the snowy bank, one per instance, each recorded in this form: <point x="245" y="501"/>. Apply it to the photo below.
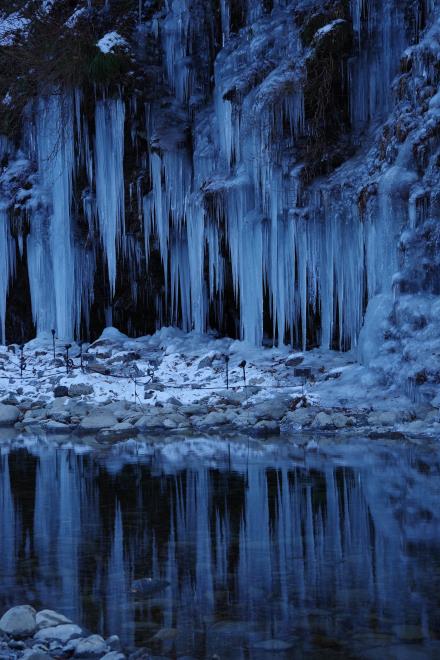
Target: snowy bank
<point x="119" y="387"/>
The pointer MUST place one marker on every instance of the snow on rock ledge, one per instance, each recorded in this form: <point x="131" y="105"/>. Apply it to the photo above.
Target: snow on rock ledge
<point x="111" y="41"/>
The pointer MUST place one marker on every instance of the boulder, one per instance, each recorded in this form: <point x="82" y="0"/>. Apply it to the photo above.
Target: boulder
<point x="19" y="621"/>
<point x="215" y="419"/>
<point x="49" y="618"/>
<point x="100" y="419"/>
<point x="232" y="398"/>
<point x="34" y="415"/>
<point x="9" y="415"/>
<point x="266" y="427"/>
<point x="114" y="643"/>
<point x="341" y="421"/>
<point x="155" y="387"/>
<point x="299" y="418"/>
<point x="273" y="409"/>
<point x="99" y="369"/>
<point x="62" y="417"/>
<point x="91" y="647"/>
<point x="60" y="404"/>
<point x="61" y="633"/>
<point x="113" y="655"/>
<point x="11" y="400"/>
<point x="174" y="402"/>
<point x="294" y="360"/>
<point x="245" y="419"/>
<point x="80" y="389"/>
<point x="388" y="418"/>
<point x="144" y="422"/>
<point x="60" y="390"/>
<point x="193" y="409"/>
<point x="205" y="363"/>
<point x="323" y="421"/>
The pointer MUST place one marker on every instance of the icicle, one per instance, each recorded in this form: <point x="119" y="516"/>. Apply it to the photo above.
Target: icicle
<point x="51" y="252"/>
<point x="109" y="156"/>
<point x="226" y="18"/>
<point x="40" y="270"/>
<point x="7" y="266"/>
<point x="175" y="42"/>
<point x="196" y="251"/>
<point x="372" y="72"/>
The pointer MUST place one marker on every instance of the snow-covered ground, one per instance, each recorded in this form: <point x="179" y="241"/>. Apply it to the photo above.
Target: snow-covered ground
<point x="182" y="378"/>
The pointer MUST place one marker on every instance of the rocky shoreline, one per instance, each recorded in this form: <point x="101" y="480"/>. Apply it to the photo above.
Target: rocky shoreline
<point x="31" y="635"/>
<point x="83" y="418"/>
<point x="172" y="382"/>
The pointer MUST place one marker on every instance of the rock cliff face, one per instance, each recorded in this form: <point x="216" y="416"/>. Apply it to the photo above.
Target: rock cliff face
<point x="265" y="168"/>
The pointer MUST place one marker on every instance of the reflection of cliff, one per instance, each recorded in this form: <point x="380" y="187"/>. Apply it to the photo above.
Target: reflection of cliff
<point x="291" y="549"/>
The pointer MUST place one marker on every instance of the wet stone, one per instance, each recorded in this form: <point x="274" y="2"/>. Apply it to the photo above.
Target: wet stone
<point x="19" y="621"/>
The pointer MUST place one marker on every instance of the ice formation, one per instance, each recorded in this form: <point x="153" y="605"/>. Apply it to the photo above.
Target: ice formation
<point x="109" y="155"/>
<point x="244" y="243"/>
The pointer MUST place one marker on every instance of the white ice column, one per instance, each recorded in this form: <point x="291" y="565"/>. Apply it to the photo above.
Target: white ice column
<point x="109" y="163"/>
<point x="55" y="151"/>
<point x="7" y="264"/>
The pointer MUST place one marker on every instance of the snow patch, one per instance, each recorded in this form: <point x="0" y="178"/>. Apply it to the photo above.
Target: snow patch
<point x="12" y="26"/>
<point x="110" y="41"/>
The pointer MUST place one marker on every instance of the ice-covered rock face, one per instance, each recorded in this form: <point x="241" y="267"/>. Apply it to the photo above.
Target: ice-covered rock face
<point x="249" y="187"/>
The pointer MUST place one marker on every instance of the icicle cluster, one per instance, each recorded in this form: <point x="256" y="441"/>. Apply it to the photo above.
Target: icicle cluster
<point x="229" y="212"/>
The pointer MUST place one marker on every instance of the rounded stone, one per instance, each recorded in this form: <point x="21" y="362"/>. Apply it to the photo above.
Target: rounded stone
<point x="96" y="421"/>
<point x="9" y="415"/>
<point x="49" y="618"/>
<point x="91" y="647"/>
<point x="19" y="621"/>
<point x="62" y="633"/>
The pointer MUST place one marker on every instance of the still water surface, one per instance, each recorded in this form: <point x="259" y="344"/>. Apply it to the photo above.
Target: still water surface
<point x="263" y="550"/>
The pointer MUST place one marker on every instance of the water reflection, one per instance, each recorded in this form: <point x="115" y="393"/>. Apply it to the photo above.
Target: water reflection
<point x="333" y="553"/>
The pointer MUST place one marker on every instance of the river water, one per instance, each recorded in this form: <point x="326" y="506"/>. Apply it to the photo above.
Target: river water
<point x="255" y="549"/>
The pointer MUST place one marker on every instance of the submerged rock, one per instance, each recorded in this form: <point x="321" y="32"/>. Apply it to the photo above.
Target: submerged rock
<point x="273" y="645"/>
<point x="165" y="634"/>
<point x="149" y="586"/>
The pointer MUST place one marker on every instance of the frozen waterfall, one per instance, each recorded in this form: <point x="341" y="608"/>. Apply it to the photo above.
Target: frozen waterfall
<point x="207" y="207"/>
